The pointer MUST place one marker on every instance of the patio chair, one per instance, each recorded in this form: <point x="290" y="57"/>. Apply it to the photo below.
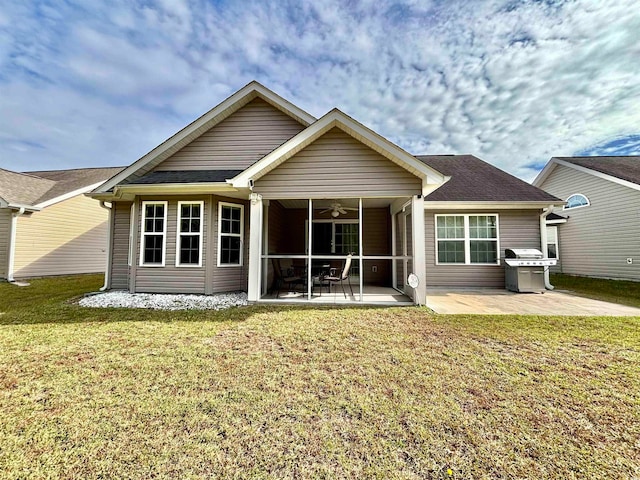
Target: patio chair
<point x="281" y="278"/>
<point x="344" y="275"/>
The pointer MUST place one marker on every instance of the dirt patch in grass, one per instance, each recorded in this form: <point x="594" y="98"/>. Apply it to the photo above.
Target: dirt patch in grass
<point x="314" y="393"/>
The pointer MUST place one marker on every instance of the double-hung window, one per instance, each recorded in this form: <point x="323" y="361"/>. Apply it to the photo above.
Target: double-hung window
<point x="154" y="233"/>
<point x="552" y="242"/>
<point x="230" y="231"/>
<point x="189" y="239"/>
<point x="467" y="239"/>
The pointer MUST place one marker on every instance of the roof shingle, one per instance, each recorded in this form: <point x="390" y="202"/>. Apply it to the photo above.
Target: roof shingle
<point x="474" y="180"/>
<point x="32" y="188"/>
<point x="624" y="168"/>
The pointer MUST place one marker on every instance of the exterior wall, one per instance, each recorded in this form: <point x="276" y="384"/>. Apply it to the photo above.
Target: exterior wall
<point x="65" y="238"/>
<point x="206" y="279"/>
<point x="517" y="229"/>
<point x="5" y="232"/>
<point x="336" y="165"/>
<point x="238" y="141"/>
<point x="120" y="256"/>
<point x="597" y="240"/>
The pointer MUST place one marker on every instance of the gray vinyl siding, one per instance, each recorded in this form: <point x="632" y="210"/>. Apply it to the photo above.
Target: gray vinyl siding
<point x="170" y="279"/>
<point x="5" y="232"/>
<point x="597" y="240"/>
<point x="120" y="256"/>
<point x="236" y="278"/>
<point x="337" y="165"/>
<point x="173" y="279"/>
<point x="238" y="141"/>
<point x="517" y="229"/>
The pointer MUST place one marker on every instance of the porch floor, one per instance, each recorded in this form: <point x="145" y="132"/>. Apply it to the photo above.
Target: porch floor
<point x="372" y="294"/>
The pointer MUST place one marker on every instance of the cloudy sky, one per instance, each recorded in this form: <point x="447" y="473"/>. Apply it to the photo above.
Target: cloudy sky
<point x="90" y="83"/>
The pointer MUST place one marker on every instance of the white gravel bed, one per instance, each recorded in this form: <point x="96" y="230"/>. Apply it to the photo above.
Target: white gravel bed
<point x="158" y="301"/>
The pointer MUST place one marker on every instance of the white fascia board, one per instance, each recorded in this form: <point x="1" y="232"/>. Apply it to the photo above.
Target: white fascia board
<point x="555" y="222"/>
<point x="483" y="205"/>
<point x="230" y="105"/>
<point x="68" y="195"/>
<point x="336" y="118"/>
<point x="544" y="173"/>
<point x="19" y="206"/>
<point x="595" y="173"/>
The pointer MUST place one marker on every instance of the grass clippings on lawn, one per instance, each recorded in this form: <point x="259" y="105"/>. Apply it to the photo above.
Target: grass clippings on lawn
<point x="284" y="392"/>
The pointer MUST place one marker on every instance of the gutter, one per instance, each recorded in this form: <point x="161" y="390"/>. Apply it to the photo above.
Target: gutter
<point x="107" y="272"/>
<point x="12" y="243"/>
<point x="543" y="241"/>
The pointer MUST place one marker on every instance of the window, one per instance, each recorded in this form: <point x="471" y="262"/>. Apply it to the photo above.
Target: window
<point x="189" y="240"/>
<point x="230" y="229"/>
<point x="467" y="239"/>
<point x="154" y="229"/>
<point x="552" y="242"/>
<point x="576" y="200"/>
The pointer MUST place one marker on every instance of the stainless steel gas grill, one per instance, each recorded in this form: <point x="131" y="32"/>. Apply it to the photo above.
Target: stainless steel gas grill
<point x="524" y="270"/>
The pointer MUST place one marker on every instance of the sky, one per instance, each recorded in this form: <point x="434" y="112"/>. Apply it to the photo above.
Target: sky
<point x="515" y="82"/>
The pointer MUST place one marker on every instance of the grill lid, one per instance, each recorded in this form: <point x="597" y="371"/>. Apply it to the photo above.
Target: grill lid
<point x="524" y="253"/>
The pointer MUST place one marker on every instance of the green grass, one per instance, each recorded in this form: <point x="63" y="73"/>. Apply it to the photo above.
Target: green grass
<point x="616" y="291"/>
<point x="266" y="392"/>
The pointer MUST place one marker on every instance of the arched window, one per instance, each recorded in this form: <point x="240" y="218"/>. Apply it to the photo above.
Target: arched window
<point x="576" y="200"/>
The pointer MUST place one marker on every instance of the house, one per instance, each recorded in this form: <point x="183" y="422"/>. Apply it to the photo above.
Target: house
<point x="257" y="185"/>
<point x="48" y="226"/>
<point x="597" y="232"/>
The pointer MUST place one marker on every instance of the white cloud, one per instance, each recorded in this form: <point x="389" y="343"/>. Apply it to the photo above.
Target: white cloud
<point x="514" y="82"/>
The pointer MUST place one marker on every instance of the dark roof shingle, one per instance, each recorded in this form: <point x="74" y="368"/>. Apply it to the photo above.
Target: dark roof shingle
<point x="185" y="176"/>
<point x="624" y="168"/>
<point x="474" y="180"/>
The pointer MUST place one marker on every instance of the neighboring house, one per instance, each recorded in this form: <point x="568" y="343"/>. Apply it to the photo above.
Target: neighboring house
<point x="257" y="182"/>
<point x="597" y="233"/>
<point x="48" y="226"/>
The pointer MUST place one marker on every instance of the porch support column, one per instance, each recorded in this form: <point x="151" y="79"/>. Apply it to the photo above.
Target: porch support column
<point x="255" y="247"/>
<point x="418" y="241"/>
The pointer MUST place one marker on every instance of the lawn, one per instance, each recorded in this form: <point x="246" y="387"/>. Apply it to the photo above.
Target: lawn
<point x="284" y="392"/>
<point x="616" y="291"/>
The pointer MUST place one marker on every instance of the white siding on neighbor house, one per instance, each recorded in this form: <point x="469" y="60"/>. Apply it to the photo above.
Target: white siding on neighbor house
<point x="517" y="229"/>
<point x="238" y="141"/>
<point x="206" y="279"/>
<point x="120" y="256"/>
<point x="65" y="238"/>
<point x="337" y="165"/>
<point x="597" y="240"/>
<point x="5" y="232"/>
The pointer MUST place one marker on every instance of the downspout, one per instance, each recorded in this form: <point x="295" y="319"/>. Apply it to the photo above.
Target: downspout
<point x="12" y="244"/>
<point x="543" y="241"/>
<point x="107" y="272"/>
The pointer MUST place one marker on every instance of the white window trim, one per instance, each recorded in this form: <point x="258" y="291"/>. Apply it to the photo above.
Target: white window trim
<point x="556" y="243"/>
<point x="241" y="235"/>
<point x="143" y="233"/>
<point x="179" y="233"/>
<point x="132" y="247"/>
<point x="467" y="239"/>
<point x="579" y="206"/>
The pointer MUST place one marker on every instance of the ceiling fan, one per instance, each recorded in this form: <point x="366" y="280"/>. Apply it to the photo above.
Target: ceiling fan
<point x="337" y="209"/>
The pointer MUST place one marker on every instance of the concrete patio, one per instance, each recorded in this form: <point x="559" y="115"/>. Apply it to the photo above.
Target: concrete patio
<point x="492" y="301"/>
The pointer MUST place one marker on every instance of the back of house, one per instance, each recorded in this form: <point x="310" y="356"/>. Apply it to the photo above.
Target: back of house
<point x="597" y="232"/>
<point x="257" y="191"/>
